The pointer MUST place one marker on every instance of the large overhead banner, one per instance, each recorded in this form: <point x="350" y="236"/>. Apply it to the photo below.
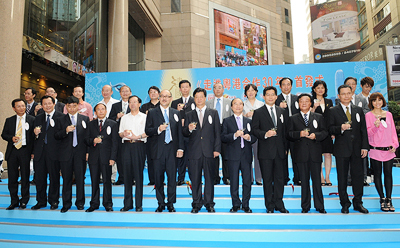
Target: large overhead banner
<point x="234" y="79"/>
<point x="335" y="31"/>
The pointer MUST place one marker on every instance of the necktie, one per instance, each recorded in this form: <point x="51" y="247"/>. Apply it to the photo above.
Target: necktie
<point x="124" y="108"/>
<point x="101" y="125"/>
<point x="19" y="134"/>
<point x="75" y="138"/>
<point x="218" y="107"/>
<point x="185" y="102"/>
<point x="239" y="124"/>
<point x="273" y="116"/>
<point x="348" y="114"/>
<point x="288" y="104"/>
<point x="167" y="138"/>
<point x="201" y="118"/>
<point x="306" y="120"/>
<point x="47" y="127"/>
<point x="28" y="107"/>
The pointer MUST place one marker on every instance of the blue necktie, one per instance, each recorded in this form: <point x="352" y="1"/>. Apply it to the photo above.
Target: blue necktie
<point x="305" y="120"/>
<point x="218" y="107"/>
<point x="75" y="137"/>
<point x="168" y="130"/>
<point x="47" y="127"/>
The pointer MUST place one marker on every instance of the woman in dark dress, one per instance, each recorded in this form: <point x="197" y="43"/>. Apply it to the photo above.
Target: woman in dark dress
<point x="322" y="105"/>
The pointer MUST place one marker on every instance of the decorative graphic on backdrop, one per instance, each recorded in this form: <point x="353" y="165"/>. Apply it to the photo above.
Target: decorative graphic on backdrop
<point x="234" y="79"/>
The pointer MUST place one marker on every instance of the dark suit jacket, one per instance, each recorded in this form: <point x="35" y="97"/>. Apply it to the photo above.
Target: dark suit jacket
<point x="59" y="107"/>
<point x="9" y="130"/>
<point x="350" y="141"/>
<point x="204" y="140"/>
<point x="154" y="119"/>
<point x="261" y="123"/>
<point x="189" y="106"/>
<point x="304" y="147"/>
<point x="32" y="110"/>
<point x="108" y="149"/>
<point x="52" y="143"/>
<point x="115" y="109"/>
<point x="293" y="100"/>
<point x="233" y="149"/>
<point x="66" y="148"/>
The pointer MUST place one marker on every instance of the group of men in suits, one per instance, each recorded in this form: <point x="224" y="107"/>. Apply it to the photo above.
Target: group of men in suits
<point x="191" y="133"/>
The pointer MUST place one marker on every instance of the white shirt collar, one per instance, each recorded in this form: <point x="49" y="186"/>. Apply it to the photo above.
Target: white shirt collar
<point x="202" y="109"/>
<point x="51" y="113"/>
<point x="163" y="109"/>
<point x="344" y="107"/>
<point x="308" y="114"/>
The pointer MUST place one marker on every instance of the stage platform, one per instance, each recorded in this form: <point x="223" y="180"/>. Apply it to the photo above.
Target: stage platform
<point x="50" y="228"/>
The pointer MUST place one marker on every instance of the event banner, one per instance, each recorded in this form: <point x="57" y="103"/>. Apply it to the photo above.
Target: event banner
<point x="393" y="65"/>
<point x="335" y="31"/>
<point x="234" y="79"/>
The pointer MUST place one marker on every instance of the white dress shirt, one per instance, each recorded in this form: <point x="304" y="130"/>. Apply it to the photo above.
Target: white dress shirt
<point x="108" y="106"/>
<point x="135" y="123"/>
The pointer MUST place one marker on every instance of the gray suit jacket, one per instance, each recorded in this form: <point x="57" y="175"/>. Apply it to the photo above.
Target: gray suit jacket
<point x="226" y="107"/>
<point x="360" y="101"/>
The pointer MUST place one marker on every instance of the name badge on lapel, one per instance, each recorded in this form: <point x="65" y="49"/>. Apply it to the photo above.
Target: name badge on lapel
<point x="84" y="124"/>
<point x="296" y="104"/>
<point x="248" y="127"/>
<point x="315" y="124"/>
<point x="52" y="123"/>
<point x="176" y="118"/>
<point x="26" y="126"/>
<point x="226" y="108"/>
<point x="108" y="130"/>
<point x="281" y="118"/>
<point x="358" y="117"/>
<point x="210" y="119"/>
<point x="193" y="106"/>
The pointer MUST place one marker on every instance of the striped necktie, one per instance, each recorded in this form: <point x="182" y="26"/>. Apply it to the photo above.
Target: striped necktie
<point x="19" y="134"/>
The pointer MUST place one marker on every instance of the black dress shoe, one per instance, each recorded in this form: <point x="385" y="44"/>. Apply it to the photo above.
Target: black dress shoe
<point x="216" y="182"/>
<point x="134" y="182"/>
<point x="283" y="210"/>
<point x="360" y="208"/>
<point x="365" y="183"/>
<point x="234" y="209"/>
<point x="119" y="182"/>
<point x="297" y="183"/>
<point x="227" y="182"/>
<point x="54" y="206"/>
<point x="109" y="209"/>
<point x="22" y="205"/>
<point x="160" y="209"/>
<point x="171" y="209"/>
<point x="345" y="210"/>
<point x="258" y="183"/>
<point x="179" y="183"/>
<point x="321" y="211"/>
<point x="125" y="209"/>
<point x="33" y="182"/>
<point x="270" y="211"/>
<point x="38" y="206"/>
<point x="12" y="206"/>
<point x="194" y="210"/>
<point x="304" y="211"/>
<point x="90" y="209"/>
<point x="211" y="209"/>
<point x="80" y="207"/>
<point x="139" y="209"/>
<point x="151" y="183"/>
<point x="247" y="210"/>
<point x="64" y="210"/>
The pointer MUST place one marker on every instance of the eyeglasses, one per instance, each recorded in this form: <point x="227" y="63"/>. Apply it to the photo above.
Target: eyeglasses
<point x="165" y="96"/>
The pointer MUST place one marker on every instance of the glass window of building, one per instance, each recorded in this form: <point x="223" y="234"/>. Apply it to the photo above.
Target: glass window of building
<point x="175" y="6"/>
<point x="385" y="11"/>
<point x="288" y="39"/>
<point x="384" y="30"/>
<point x="287" y="16"/>
<point x="364" y="34"/>
<point x="136" y="47"/>
<point x="375" y="3"/>
<point x="362" y="19"/>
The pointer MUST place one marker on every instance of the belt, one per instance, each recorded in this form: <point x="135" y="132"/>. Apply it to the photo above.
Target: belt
<point x="381" y="148"/>
<point x="133" y="141"/>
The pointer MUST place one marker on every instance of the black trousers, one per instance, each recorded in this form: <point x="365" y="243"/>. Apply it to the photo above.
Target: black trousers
<point x="19" y="158"/>
<point x="313" y="170"/>
<point x="46" y="165"/>
<point x="120" y="167"/>
<point x="195" y="168"/>
<point x="150" y="163"/>
<point x="387" y="171"/>
<point x="166" y="164"/>
<point x="296" y="171"/>
<point x="225" y="167"/>
<point x="74" y="165"/>
<point x="234" y="167"/>
<point x="134" y="156"/>
<point x="357" y="178"/>
<point x="182" y="162"/>
<point x="104" y="168"/>
<point x="273" y="183"/>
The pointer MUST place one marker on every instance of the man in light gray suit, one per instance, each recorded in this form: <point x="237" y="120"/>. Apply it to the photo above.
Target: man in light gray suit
<point x="356" y="99"/>
<point x="223" y="106"/>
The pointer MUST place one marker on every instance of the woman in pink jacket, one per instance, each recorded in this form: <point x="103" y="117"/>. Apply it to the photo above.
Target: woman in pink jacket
<point x="383" y="142"/>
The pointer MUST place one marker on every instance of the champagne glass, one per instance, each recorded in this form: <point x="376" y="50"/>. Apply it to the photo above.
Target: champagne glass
<point x="100" y="137"/>
<point x="349" y="122"/>
<point x="307" y="130"/>
<point x="274" y="129"/>
<point x="195" y="124"/>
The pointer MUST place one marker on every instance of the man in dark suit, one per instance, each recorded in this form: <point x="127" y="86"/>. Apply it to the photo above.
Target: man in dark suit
<point x="236" y="134"/>
<point x="59" y="107"/>
<point x="18" y="132"/>
<point x="44" y="161"/>
<point x="164" y="128"/>
<point x="289" y="103"/>
<point x="30" y="94"/>
<point x="71" y="130"/>
<point x="269" y="126"/>
<point x="203" y="128"/>
<point x="307" y="130"/>
<point x="183" y="104"/>
<point x="103" y="146"/>
<point x="347" y="123"/>
<point x="118" y="110"/>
